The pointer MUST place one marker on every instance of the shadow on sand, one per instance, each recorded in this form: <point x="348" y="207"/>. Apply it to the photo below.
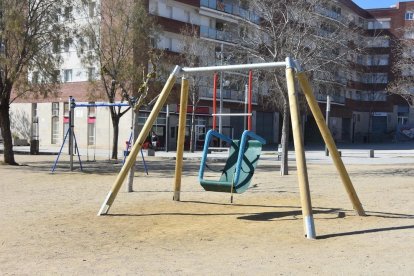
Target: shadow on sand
<point x="286" y="215"/>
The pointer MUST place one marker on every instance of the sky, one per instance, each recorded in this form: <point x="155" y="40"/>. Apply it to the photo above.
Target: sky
<point x="370" y="4"/>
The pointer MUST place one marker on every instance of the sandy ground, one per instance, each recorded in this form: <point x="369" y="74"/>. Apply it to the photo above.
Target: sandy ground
<point x="48" y="223"/>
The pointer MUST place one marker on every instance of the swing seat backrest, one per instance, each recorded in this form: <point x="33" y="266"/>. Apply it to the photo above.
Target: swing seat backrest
<point x="239" y="168"/>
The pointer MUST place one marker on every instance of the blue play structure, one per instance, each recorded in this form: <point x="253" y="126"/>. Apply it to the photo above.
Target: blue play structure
<point x="70" y="133"/>
<point x="240" y="165"/>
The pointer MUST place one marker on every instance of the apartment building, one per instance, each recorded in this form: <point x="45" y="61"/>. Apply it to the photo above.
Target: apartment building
<point x="362" y="111"/>
<point x="365" y="112"/>
<point x="217" y="22"/>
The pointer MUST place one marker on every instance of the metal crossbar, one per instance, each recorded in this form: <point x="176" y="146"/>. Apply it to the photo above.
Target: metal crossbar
<point x="101" y="105"/>
<point x="232" y="114"/>
<point x="221" y="68"/>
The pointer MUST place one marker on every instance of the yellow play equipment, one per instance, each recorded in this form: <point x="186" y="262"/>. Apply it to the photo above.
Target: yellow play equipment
<point x="292" y="69"/>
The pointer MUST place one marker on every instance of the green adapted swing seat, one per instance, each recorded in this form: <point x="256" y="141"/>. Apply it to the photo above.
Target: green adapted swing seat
<point x="239" y="168"/>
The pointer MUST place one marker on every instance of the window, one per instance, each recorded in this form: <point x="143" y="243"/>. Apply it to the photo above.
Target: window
<point x="187" y="16"/>
<point x="357" y="95"/>
<point x="167" y="43"/>
<point x="379" y="24"/>
<point x="336" y="12"/>
<point x="56" y="15"/>
<point x="378" y="42"/>
<point x="66" y="109"/>
<point x="35" y="77"/>
<point x="407" y="71"/>
<point x="67" y="75"/>
<point x="67" y="15"/>
<point x="91" y="124"/>
<point x="409" y="34"/>
<point x="91" y="42"/>
<point x="56" y="46"/>
<point x="361" y="22"/>
<point x="169" y="10"/>
<point x="55" y="109"/>
<point x="153" y="42"/>
<point x="91" y="73"/>
<point x="55" y="130"/>
<point x="379" y="96"/>
<point x="153" y="7"/>
<point x="55" y="123"/>
<point x="377" y="60"/>
<point x="67" y="43"/>
<point x="56" y="76"/>
<point x="409" y="15"/>
<point x="91" y="134"/>
<point x="35" y="123"/>
<point x="402" y="118"/>
<point x="92" y="7"/>
<point x="65" y="118"/>
<point x="91" y="110"/>
<point x="376" y="78"/>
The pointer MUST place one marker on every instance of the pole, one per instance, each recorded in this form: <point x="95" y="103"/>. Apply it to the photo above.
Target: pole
<point x="181" y="138"/>
<point x="305" y="197"/>
<point x="249" y="100"/>
<point x="110" y="198"/>
<point x="328" y="111"/>
<point x="167" y="128"/>
<point x="327" y="137"/>
<point x="215" y="101"/>
<point x="71" y="125"/>
<point x="246" y="92"/>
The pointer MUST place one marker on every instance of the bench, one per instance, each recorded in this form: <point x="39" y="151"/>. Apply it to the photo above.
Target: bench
<point x="218" y="149"/>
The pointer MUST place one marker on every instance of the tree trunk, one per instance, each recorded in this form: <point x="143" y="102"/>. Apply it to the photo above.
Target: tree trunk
<point x="6" y="133"/>
<point x="130" y="185"/>
<point x="284" y="167"/>
<point x="115" y="126"/>
<point x="192" y="130"/>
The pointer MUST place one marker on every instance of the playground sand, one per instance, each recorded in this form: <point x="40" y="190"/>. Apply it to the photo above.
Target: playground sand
<point x="48" y="223"/>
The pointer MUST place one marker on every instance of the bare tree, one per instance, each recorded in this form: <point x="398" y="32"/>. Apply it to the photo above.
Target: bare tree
<point x="21" y="124"/>
<point x="117" y="41"/>
<point x="312" y="32"/>
<point x="403" y="84"/>
<point x="29" y="30"/>
<point x="195" y="53"/>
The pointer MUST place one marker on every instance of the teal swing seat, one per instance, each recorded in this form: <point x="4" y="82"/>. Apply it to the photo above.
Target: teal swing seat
<point x="240" y="165"/>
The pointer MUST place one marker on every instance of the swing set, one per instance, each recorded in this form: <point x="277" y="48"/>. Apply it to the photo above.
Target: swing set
<point x="71" y="137"/>
<point x="244" y="154"/>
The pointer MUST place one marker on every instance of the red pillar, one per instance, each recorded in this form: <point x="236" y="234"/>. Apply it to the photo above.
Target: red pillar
<point x="215" y="100"/>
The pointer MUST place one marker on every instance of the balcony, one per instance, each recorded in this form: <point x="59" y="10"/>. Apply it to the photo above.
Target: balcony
<point x="215" y="34"/>
<point x="228" y="95"/>
<point x="321" y="97"/>
<point x="232" y="9"/>
<point x="329" y="13"/>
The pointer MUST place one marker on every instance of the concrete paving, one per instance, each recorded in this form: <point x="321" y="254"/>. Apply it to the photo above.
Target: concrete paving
<point x="386" y="153"/>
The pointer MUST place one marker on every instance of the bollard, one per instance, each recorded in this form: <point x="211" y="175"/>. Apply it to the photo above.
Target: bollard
<point x="371" y="153"/>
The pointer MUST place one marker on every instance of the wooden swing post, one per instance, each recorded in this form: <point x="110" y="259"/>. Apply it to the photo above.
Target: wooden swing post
<point x="327" y="137"/>
<point x="181" y="138"/>
<point x="305" y="197"/>
<point x="130" y="160"/>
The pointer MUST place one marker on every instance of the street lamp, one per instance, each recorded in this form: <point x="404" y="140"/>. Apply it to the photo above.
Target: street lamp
<point x="221" y="91"/>
<point x="328" y="110"/>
